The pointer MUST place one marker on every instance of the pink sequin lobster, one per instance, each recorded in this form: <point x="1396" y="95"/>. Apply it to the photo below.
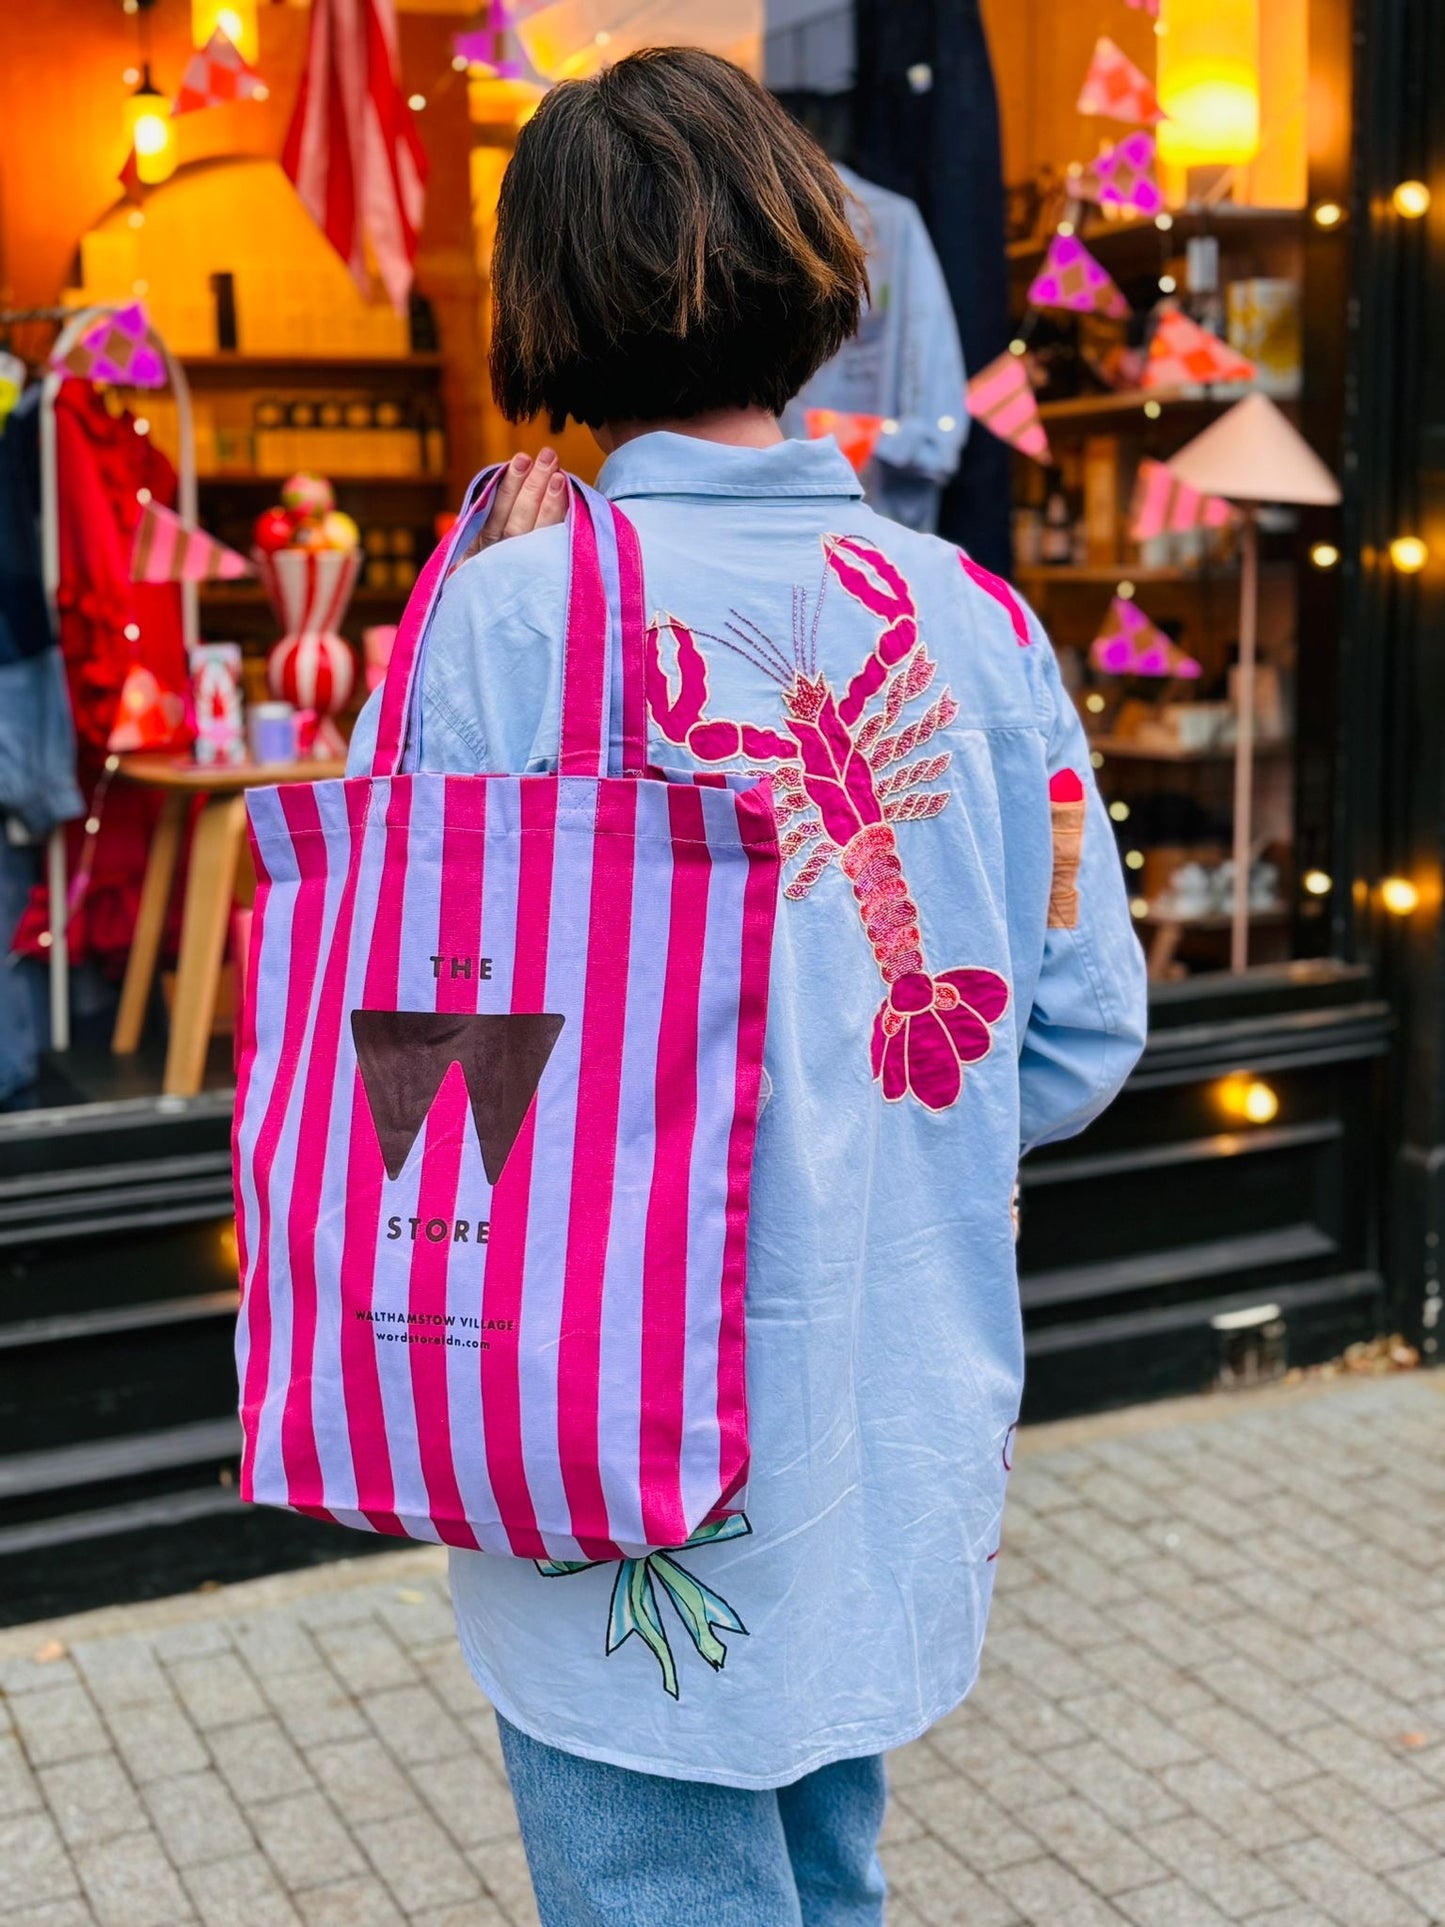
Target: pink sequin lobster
<point x="841" y="781"/>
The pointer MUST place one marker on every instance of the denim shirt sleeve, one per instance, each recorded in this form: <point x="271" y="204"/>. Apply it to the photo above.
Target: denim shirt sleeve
<point x="930" y="363"/>
<point x="1090" y="1009"/>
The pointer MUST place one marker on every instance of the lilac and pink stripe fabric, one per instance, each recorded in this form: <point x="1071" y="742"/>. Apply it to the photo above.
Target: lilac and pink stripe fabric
<point x="570" y="1382"/>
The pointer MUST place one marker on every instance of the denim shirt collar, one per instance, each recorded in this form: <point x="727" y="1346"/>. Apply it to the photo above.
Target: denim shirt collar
<point x="666" y="464"/>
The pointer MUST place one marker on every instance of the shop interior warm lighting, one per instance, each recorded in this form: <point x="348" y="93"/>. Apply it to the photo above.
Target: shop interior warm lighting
<point x="1328" y="214"/>
<point x="1409" y="554"/>
<point x="151" y="131"/>
<point x="236" y="19"/>
<point x="1324" y="555"/>
<point x="1412" y="199"/>
<point x="1399" y="896"/>
<point x="1208" y="83"/>
<point x="1318" y="883"/>
<point x="1249" y="1100"/>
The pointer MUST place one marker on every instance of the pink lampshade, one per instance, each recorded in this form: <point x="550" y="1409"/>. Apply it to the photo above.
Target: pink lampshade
<point x="1253" y="454"/>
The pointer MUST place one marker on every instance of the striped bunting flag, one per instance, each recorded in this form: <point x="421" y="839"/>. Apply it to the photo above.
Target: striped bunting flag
<point x="352" y="148"/>
<point x="1163" y="505"/>
<point x="1002" y="398"/>
<point x="166" y="549"/>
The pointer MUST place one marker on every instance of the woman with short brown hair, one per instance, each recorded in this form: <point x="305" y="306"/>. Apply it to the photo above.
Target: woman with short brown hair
<point x="696" y="1737"/>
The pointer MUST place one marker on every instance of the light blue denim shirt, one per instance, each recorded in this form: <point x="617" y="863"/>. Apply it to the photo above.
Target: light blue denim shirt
<point x="905" y="362"/>
<point x="958" y="985"/>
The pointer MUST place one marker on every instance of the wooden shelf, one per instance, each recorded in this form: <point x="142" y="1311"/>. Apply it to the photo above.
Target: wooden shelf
<point x="1216" y="919"/>
<point x="249" y="478"/>
<point x="246" y="595"/>
<point x="1129" y="248"/>
<point x="1035" y="575"/>
<point x="1124" y="749"/>
<point x="309" y="367"/>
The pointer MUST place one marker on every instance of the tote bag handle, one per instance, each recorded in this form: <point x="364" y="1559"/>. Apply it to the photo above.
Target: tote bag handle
<point x="604" y="717"/>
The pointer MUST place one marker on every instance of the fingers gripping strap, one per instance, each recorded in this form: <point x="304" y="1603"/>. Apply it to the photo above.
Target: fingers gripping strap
<point x="403" y="671"/>
<point x="604" y="633"/>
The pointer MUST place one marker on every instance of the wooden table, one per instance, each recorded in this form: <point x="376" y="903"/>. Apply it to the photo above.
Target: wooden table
<point x="217" y="842"/>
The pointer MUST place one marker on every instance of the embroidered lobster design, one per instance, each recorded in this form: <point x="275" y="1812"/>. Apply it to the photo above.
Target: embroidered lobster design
<point x="842" y="778"/>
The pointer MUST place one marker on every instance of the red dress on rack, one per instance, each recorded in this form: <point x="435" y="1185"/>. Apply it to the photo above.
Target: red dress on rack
<point x="101" y="464"/>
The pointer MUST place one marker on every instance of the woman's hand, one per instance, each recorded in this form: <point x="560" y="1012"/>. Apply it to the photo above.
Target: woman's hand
<point x="530" y="495"/>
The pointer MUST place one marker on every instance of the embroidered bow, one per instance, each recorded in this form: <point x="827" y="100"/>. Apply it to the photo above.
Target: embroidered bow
<point x="635" y="1607"/>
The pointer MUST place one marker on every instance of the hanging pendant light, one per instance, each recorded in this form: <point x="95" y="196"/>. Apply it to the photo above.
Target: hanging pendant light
<point x="151" y="131"/>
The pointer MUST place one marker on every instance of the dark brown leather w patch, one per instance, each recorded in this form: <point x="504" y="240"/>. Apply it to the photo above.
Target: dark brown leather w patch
<point x="404" y="1055"/>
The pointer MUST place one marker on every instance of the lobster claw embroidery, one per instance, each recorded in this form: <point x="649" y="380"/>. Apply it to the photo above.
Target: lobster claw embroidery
<point x="841" y="779"/>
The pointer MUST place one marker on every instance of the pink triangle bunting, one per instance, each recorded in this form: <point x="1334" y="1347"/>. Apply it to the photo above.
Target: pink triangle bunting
<point x="1116" y="89"/>
<point x="1151" y="7"/>
<point x="1001" y="396"/>
<point x="1182" y="354"/>
<point x="1163" y="505"/>
<point x="1123" y="176"/>
<point x="119" y="348"/>
<point x="1072" y="278"/>
<point x="215" y="75"/>
<point x="167" y="549"/>
<point x="1129" y="644"/>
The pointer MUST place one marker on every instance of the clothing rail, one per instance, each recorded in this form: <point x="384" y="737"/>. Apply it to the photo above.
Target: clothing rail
<point x="72" y="323"/>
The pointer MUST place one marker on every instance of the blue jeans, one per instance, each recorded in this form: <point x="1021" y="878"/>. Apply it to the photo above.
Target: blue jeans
<point x="610" y="1848"/>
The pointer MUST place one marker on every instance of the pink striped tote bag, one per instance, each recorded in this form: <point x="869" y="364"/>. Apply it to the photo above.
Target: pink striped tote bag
<point x="497" y="1098"/>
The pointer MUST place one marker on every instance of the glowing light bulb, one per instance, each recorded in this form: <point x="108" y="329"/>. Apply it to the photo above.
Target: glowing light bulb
<point x="1164" y="222"/>
<point x="1134" y="860"/>
<point x="1138" y="908"/>
<point x="1260" y="1106"/>
<point x="416" y="102"/>
<point x="1167" y="284"/>
<point x="1328" y="214"/>
<point x="1248" y="1099"/>
<point x="1119" y="811"/>
<point x="1324" y="555"/>
<point x="1399" y="896"/>
<point x="1153" y="410"/>
<point x="1096" y="758"/>
<point x="152" y="132"/>
<point x="1125" y="591"/>
<point x="1409" y="554"/>
<point x="1066" y="228"/>
<point x="1018" y="347"/>
<point x="1412" y="199"/>
<point x="1318" y="882"/>
<point x="1094" y="703"/>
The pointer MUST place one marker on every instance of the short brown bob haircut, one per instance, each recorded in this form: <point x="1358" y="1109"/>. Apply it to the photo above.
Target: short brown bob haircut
<point x="669" y="242"/>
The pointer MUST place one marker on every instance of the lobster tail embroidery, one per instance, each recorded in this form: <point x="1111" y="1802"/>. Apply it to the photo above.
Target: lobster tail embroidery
<point x="842" y="779"/>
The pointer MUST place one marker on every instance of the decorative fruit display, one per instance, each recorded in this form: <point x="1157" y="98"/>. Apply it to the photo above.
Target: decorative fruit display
<point x="309" y="556"/>
<point x="305" y="518"/>
<point x="274" y="530"/>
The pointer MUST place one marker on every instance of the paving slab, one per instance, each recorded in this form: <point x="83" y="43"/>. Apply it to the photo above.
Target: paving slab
<point x="1211" y="1693"/>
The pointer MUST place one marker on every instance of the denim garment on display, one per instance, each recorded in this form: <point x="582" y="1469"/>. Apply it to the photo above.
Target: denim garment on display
<point x="905" y="363"/>
<point x="955" y="978"/>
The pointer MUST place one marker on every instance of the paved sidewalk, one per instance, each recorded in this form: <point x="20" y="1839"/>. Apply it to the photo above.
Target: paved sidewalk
<point x="1214" y="1691"/>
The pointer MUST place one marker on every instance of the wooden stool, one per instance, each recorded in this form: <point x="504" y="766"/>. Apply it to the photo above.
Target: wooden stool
<point x="217" y="843"/>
